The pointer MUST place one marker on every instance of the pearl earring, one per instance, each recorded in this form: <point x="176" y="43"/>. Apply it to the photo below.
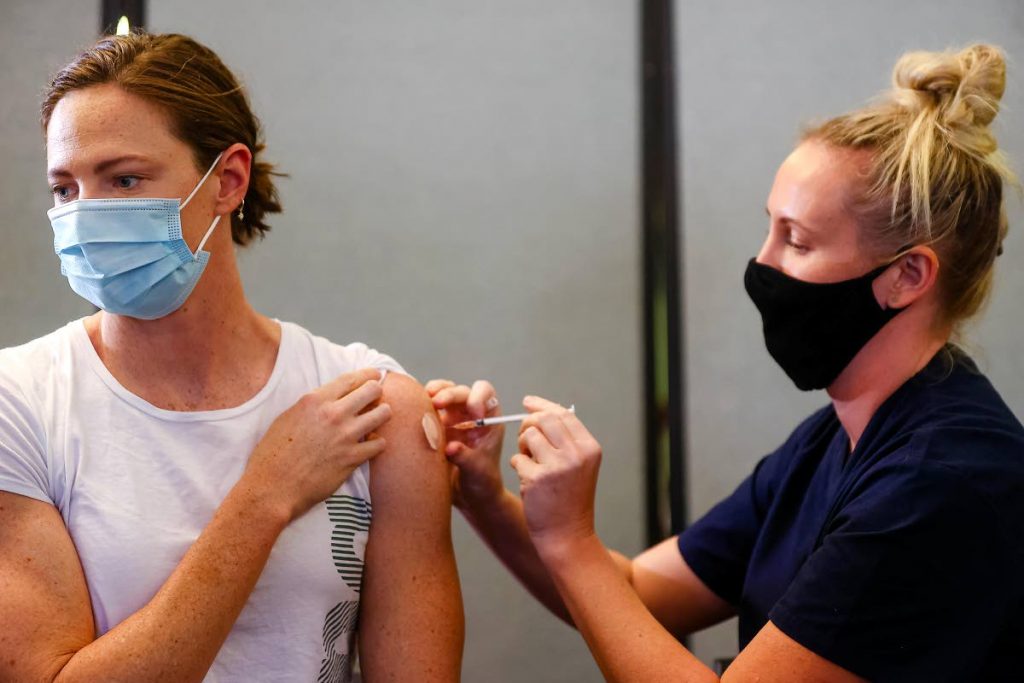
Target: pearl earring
<point x="241" y="214"/>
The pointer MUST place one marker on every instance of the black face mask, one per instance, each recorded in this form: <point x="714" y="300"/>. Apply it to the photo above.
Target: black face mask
<point x="814" y="330"/>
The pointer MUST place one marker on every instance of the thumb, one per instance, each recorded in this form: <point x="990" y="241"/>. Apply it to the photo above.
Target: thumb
<point x="456" y="452"/>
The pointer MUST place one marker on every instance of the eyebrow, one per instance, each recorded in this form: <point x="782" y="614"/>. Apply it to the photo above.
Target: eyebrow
<point x="101" y="166"/>
<point x="789" y="219"/>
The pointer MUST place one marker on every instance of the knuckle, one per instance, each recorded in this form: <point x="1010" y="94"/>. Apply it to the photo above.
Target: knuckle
<point x="307" y="401"/>
<point x="325" y="413"/>
<point x="346" y="431"/>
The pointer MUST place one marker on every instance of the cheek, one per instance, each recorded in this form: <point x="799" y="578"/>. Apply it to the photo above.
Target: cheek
<point x="824" y="265"/>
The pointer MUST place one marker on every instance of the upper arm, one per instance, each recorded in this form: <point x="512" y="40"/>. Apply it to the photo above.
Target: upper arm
<point x="45" y="611"/>
<point x="411" y="623"/>
<point x="772" y="656"/>
<point x="717" y="547"/>
<point x="677" y="598"/>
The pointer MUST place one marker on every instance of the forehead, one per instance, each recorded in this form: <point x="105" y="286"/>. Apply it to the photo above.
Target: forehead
<point x="817" y="182"/>
<point x="103" y="120"/>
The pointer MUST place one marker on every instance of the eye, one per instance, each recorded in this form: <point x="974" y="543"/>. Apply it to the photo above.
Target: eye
<point x="800" y="248"/>
<point x="127" y="182"/>
<point x="60" y="192"/>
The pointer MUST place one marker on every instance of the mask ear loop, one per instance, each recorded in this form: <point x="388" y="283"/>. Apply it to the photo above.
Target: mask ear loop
<point x="216" y="219"/>
<point x="193" y="193"/>
<point x="900" y="253"/>
<point x="202" y="243"/>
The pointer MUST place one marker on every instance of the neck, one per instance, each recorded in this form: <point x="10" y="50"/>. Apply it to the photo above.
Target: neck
<point x="898" y="352"/>
<point x="215" y="331"/>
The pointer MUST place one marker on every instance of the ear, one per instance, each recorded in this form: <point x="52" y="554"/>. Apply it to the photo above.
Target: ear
<point x="235" y="167"/>
<point x="909" y="278"/>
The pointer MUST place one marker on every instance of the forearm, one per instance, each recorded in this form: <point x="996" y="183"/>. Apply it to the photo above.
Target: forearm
<point x="627" y="641"/>
<point x="176" y="636"/>
<point x="411" y="624"/>
<point x="502" y="527"/>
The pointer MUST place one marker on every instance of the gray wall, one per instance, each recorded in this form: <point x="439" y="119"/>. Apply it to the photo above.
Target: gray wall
<point x="463" y="195"/>
<point x="752" y="73"/>
<point x="36" y="38"/>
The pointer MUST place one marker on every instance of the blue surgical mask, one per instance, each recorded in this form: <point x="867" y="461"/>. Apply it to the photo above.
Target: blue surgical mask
<point x="127" y="256"/>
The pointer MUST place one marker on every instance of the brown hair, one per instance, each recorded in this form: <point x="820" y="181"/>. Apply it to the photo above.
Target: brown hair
<point x="207" y="107"/>
<point x="936" y="174"/>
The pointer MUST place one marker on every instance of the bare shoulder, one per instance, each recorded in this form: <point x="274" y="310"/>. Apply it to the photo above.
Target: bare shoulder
<point x="410" y="465"/>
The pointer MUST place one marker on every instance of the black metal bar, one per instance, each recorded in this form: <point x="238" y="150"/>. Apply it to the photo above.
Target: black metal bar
<point x="113" y="10"/>
<point x="664" y="379"/>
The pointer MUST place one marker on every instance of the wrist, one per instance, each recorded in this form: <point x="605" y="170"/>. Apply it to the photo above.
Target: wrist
<point x="558" y="550"/>
<point x="487" y="504"/>
<point x="495" y="511"/>
<point x="262" y="503"/>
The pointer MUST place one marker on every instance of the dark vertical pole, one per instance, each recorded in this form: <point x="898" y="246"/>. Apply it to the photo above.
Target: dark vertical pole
<point x="113" y="10"/>
<point x="663" y="339"/>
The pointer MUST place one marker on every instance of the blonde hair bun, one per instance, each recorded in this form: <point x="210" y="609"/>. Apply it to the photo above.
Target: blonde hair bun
<point x="936" y="173"/>
<point x="962" y="87"/>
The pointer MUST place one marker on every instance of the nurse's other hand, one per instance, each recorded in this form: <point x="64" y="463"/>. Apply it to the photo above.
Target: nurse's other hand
<point x="312" y="448"/>
<point x="557" y="464"/>
<point x="475" y="453"/>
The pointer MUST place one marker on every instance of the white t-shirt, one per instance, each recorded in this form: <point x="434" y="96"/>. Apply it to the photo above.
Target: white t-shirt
<point x="137" y="484"/>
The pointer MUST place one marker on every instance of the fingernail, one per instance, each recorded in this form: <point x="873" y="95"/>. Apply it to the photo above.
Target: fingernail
<point x="492" y="403"/>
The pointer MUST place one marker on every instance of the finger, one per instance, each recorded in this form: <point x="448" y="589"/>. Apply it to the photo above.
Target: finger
<point x="524" y="447"/>
<point x="355" y="455"/>
<point x="451" y="396"/>
<point x="576" y="427"/>
<point x="436" y="385"/>
<point x="532" y="420"/>
<point x="462" y="457"/>
<point x="344" y="384"/>
<point x="479" y="398"/>
<point x="455" y="451"/>
<point x="354" y="402"/>
<point x="452" y="416"/>
<point x="554" y="429"/>
<point x="372" y="420"/>
<point x="536" y="404"/>
<point x="540" y="448"/>
<point x="525" y="467"/>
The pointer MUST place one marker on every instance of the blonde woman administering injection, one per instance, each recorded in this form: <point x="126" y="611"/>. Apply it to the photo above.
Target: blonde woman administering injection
<point x="884" y="540"/>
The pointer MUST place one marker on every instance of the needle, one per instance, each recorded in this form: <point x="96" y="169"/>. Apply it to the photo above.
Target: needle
<point x="502" y="419"/>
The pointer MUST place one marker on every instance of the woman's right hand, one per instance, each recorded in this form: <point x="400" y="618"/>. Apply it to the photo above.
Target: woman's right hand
<point x="476" y="453"/>
<point x="314" y="446"/>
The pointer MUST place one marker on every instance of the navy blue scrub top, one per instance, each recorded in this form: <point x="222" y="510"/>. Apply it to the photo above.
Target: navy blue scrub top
<point x="901" y="561"/>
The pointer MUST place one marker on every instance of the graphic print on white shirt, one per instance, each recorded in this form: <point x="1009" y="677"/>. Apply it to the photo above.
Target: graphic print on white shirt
<point x="350" y="519"/>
